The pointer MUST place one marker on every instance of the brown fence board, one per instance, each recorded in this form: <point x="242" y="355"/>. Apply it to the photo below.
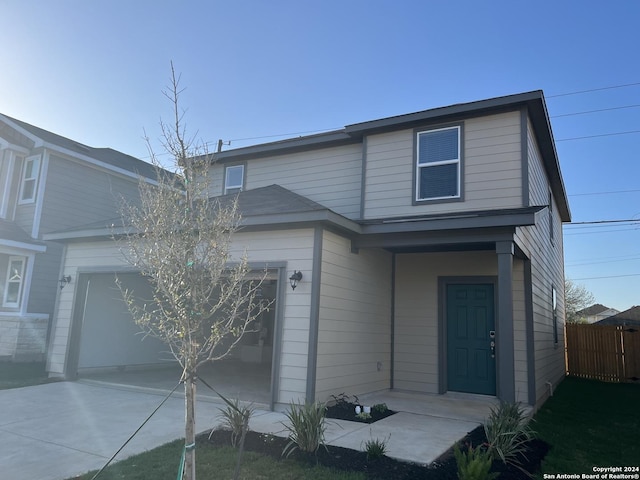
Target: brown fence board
<point x="610" y="353"/>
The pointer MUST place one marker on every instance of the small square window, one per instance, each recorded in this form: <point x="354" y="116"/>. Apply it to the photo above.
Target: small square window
<point x="233" y="179"/>
<point x="438" y="164"/>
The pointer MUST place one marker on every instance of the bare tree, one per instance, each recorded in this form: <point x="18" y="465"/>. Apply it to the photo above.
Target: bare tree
<point x="576" y="298"/>
<point x="181" y="242"/>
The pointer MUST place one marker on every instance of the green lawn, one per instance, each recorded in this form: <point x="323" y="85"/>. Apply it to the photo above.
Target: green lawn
<point x="14" y="375"/>
<point x="162" y="462"/>
<point x="590" y="423"/>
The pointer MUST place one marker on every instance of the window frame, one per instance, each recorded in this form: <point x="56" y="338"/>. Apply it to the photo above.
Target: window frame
<point x="229" y="189"/>
<point x="5" y="294"/>
<point x="554" y="313"/>
<point x="417" y="167"/>
<point x="36" y="160"/>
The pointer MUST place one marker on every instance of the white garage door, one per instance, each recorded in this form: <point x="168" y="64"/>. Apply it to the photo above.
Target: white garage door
<point x="109" y="337"/>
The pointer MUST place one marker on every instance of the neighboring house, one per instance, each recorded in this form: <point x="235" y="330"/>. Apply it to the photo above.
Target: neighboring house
<point x="47" y="183"/>
<point x="595" y="313"/>
<point x="629" y="317"/>
<point x="430" y="248"/>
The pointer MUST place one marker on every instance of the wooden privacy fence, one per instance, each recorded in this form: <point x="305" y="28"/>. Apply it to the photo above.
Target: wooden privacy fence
<point x="610" y="353"/>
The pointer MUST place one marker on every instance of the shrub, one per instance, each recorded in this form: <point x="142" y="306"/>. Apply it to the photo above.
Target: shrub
<point x="306" y="427"/>
<point x="380" y="407"/>
<point x="474" y="464"/>
<point x="507" y="430"/>
<point x="375" y="447"/>
<point x="236" y="418"/>
<point x="363" y="416"/>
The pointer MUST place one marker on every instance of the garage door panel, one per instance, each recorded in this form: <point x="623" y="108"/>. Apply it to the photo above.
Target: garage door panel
<point x="109" y="336"/>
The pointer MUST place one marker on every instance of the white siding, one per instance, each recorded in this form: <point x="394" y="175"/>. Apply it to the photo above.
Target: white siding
<point x="547" y="271"/>
<point x="296" y="248"/>
<point x="491" y="167"/>
<point x="330" y="176"/>
<point x="355" y="320"/>
<point x="293" y="246"/>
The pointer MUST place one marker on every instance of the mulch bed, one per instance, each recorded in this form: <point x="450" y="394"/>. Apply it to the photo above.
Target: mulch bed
<point x="347" y="411"/>
<point x="384" y="468"/>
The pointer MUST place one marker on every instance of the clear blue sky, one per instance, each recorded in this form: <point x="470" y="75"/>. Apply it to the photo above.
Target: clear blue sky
<point x="93" y="71"/>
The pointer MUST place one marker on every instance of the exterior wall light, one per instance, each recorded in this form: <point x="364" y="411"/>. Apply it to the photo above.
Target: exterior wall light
<point x="64" y="280"/>
<point x="294" y="279"/>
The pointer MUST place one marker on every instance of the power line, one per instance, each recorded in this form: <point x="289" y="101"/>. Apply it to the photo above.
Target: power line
<point x="594" y="111"/>
<point x="630" y="259"/>
<point x="602" y="193"/>
<point x="612" y="87"/>
<point x="596" y="222"/>
<point x="596" y="136"/>
<point x="611" y="276"/>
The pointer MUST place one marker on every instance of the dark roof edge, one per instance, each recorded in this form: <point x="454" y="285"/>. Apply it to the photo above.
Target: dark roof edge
<point x="292" y="145"/>
<point x="462" y="109"/>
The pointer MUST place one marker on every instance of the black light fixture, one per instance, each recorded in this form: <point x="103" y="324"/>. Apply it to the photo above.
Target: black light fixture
<point x="64" y="280"/>
<point x="294" y="279"/>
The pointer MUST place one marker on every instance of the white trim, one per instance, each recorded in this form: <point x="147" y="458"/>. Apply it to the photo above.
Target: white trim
<point x="26" y="285"/>
<point x="21" y="282"/>
<point x="43" y="316"/>
<point x="419" y="166"/>
<point x="37" y="215"/>
<point x="9" y="157"/>
<point x="52" y="146"/>
<point x="228" y="187"/>
<point x="37" y="161"/>
<point x="28" y="247"/>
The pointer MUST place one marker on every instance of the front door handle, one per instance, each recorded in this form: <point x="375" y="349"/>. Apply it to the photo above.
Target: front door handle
<point x="493" y="349"/>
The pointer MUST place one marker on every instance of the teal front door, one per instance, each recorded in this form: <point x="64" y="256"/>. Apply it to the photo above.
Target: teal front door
<point x="470" y="318"/>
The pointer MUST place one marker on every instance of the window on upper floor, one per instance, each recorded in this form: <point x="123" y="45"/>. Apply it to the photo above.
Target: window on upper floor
<point x="233" y="179"/>
<point x="438" y="164"/>
<point x="29" y="180"/>
<point x="550" y="216"/>
<point x="14" y="282"/>
<point x="554" y="312"/>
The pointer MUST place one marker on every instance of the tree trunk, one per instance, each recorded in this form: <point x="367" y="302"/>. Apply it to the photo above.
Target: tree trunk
<point x="190" y="428"/>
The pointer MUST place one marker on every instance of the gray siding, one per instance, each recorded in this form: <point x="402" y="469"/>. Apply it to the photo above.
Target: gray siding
<point x="44" y="281"/>
<point x="77" y="194"/>
<point x="330" y="176"/>
<point x="547" y="271"/>
<point x="354" y="331"/>
<point x="492" y="169"/>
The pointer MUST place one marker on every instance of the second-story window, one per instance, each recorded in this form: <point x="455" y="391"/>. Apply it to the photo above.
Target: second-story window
<point x="233" y="179"/>
<point x="438" y="164"/>
<point x="29" y="181"/>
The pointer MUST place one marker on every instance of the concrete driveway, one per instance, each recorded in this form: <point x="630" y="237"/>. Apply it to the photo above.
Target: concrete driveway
<point x="60" y="430"/>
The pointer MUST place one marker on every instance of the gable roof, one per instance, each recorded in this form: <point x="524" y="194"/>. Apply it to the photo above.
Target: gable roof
<point x="268" y="206"/>
<point x="270" y="200"/>
<point x="106" y="155"/>
<point x="628" y="317"/>
<point x="533" y="102"/>
<point x="592" y="310"/>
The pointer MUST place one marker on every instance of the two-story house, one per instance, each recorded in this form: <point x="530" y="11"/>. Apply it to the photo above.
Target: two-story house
<point x="48" y="183"/>
<point x="425" y="250"/>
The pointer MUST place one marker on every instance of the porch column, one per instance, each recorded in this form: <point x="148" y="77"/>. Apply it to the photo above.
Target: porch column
<point x="505" y="358"/>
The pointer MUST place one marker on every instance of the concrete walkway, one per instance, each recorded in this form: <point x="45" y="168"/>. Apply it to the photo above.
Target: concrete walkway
<point x="60" y="430"/>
